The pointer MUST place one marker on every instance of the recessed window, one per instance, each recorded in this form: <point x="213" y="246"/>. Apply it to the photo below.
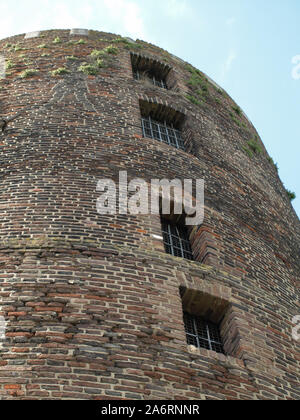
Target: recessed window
<point x="162" y="132"/>
<point x="150" y="71"/>
<point x="176" y="240"/>
<point x="162" y="123"/>
<point x="148" y="77"/>
<point x="205" y="319"/>
<point x="202" y="333"/>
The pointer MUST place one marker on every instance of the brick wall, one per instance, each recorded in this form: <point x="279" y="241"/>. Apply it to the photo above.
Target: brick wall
<point x="92" y="303"/>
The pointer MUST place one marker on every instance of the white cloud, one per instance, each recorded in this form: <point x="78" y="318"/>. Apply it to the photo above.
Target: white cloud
<point x="175" y="8"/>
<point x="119" y="16"/>
<point x="227" y="66"/>
<point x="64" y="17"/>
<point x="6" y="20"/>
<point x="127" y="16"/>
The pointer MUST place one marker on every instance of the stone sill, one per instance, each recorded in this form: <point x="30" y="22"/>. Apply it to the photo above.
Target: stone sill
<point x="229" y="361"/>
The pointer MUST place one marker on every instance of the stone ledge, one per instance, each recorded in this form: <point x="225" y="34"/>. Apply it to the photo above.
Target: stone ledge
<point x="30" y="35"/>
<point x="76" y="31"/>
<point x="227" y="361"/>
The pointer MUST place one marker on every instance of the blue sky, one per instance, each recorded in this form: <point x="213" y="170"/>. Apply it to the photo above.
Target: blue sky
<point x="250" y="47"/>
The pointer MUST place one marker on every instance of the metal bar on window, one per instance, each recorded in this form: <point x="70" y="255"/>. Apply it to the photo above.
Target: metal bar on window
<point x="196" y="335"/>
<point x="170" y="133"/>
<point x="208" y="336"/>
<point x="175" y="135"/>
<point x="143" y="127"/>
<point x="160" y="136"/>
<point x="180" y="241"/>
<point x="192" y="331"/>
<point x="171" y="240"/>
<point x="180" y="236"/>
<point x="151" y="128"/>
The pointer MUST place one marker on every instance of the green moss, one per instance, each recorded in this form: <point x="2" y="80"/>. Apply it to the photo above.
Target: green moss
<point x="18" y="48"/>
<point x="203" y="94"/>
<point x="193" y="100"/>
<point x="42" y="46"/>
<point x="72" y="58"/>
<point x="292" y="196"/>
<point x="127" y="44"/>
<point x="199" y="84"/>
<point x="60" y="71"/>
<point x="9" y="65"/>
<point x="111" y="50"/>
<point x="273" y="163"/>
<point x="80" y="42"/>
<point x="57" y="40"/>
<point x="89" y="69"/>
<point x="100" y="57"/>
<point x="237" y="110"/>
<point x="255" y="146"/>
<point x="134" y="46"/>
<point x="28" y="73"/>
<point x="236" y="120"/>
<point x="100" y="63"/>
<point x="248" y="151"/>
<point x="121" y="40"/>
<point x="97" y="54"/>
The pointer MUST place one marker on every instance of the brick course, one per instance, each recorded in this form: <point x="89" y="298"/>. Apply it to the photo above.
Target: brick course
<point x="93" y="302"/>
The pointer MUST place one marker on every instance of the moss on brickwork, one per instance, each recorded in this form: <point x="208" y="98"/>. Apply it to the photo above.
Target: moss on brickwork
<point x="89" y="69"/>
<point x="291" y="195"/>
<point x="253" y="148"/>
<point x="60" y="71"/>
<point x="28" y="73"/>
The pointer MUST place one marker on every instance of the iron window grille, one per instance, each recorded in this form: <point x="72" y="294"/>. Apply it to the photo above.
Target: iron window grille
<point x="156" y="82"/>
<point x="162" y="132"/>
<point x="202" y="334"/>
<point x="176" y="240"/>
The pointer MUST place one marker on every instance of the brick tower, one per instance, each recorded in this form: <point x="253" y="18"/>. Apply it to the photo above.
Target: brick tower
<point x="137" y="306"/>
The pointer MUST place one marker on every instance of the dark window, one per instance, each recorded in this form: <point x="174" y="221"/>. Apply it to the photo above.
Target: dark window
<point x="176" y="240"/>
<point x="149" y="70"/>
<point x="151" y="78"/>
<point x="162" y="132"/>
<point x="202" y="334"/>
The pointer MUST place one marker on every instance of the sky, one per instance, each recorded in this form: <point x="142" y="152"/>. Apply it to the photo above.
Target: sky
<point x="249" y="47"/>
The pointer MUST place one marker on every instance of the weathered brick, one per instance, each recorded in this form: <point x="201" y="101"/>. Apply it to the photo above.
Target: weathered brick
<point x="92" y="302"/>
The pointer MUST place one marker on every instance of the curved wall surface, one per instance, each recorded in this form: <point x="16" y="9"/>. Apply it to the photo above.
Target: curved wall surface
<point x="92" y="302"/>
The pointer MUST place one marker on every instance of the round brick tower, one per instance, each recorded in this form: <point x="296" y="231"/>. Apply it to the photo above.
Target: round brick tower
<point x="100" y="306"/>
